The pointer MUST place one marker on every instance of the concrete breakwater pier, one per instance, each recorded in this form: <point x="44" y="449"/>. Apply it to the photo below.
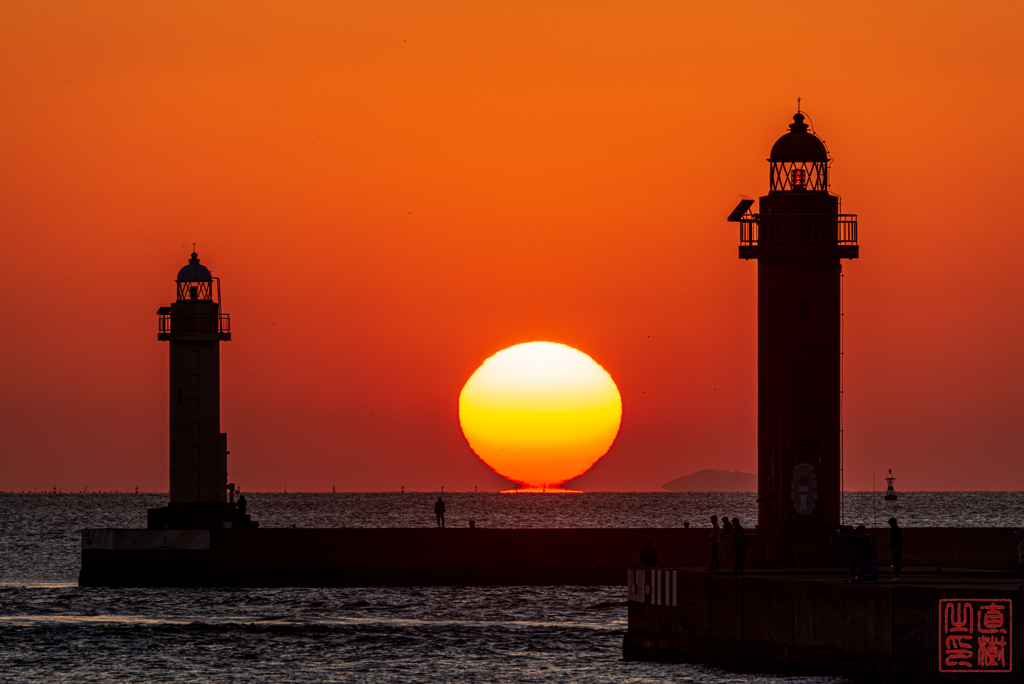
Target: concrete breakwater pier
<point x="481" y="556"/>
<point x="930" y="627"/>
<point x="776" y="620"/>
<point x="268" y="557"/>
<point x="948" y="619"/>
<point x="789" y="620"/>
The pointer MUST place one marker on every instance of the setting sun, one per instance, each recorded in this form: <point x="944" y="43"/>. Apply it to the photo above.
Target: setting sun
<point x="540" y="413"/>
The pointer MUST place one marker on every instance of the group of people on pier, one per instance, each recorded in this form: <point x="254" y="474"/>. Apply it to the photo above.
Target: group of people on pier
<point x="862" y="552"/>
<point x="649" y="555"/>
<point x="739" y="542"/>
<point x="860" y="545"/>
<point x="861" y="564"/>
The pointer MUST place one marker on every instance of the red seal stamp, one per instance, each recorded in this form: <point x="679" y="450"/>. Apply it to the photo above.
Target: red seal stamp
<point x="975" y="635"/>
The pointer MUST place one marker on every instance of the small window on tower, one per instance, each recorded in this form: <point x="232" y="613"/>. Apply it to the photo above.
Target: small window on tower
<point x="803" y="308"/>
<point x="179" y="392"/>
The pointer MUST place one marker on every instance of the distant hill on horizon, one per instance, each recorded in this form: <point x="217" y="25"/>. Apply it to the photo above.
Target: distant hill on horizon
<point x="713" y="481"/>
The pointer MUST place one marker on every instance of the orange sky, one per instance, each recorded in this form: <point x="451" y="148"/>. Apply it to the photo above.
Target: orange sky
<point x="392" y="192"/>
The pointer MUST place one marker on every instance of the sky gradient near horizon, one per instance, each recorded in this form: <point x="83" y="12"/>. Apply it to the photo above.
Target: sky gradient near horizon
<point x="393" y="192"/>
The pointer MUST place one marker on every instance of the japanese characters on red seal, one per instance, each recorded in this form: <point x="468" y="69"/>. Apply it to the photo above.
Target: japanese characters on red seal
<point x="975" y="635"/>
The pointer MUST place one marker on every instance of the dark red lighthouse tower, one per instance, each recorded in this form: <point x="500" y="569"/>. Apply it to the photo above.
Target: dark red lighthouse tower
<point x="799" y="238"/>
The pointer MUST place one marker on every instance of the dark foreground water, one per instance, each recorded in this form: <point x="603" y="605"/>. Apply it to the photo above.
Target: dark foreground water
<point x="52" y="630"/>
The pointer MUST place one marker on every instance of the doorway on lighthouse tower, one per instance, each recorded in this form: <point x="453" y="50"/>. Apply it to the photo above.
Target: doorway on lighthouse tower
<point x="804" y="463"/>
<point x="804" y="487"/>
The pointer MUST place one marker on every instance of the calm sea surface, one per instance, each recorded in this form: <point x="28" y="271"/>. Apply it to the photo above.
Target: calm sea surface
<point x="52" y="630"/>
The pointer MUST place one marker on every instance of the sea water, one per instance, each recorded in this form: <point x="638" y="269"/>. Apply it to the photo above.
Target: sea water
<point x="53" y="630"/>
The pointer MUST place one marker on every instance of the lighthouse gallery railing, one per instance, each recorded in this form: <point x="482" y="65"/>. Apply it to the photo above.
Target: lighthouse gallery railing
<point x="822" y="228"/>
<point x="215" y="323"/>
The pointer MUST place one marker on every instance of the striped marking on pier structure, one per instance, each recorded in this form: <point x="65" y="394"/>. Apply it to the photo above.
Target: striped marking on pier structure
<point x="657" y="587"/>
<point x="146" y="540"/>
<point x="635" y="584"/>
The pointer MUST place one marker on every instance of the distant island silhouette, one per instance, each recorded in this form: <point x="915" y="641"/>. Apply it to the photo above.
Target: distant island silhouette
<point x="713" y="481"/>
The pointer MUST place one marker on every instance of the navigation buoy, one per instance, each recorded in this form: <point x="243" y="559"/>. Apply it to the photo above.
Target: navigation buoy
<point x="890" y="493"/>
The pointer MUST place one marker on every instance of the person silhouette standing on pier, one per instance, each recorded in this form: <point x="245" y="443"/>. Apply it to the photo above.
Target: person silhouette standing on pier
<point x="861" y="549"/>
<point x="715" y="539"/>
<point x="739" y="546"/>
<point x="439" y="512"/>
<point x="649" y="555"/>
<point x="726" y="525"/>
<point x="895" y="548"/>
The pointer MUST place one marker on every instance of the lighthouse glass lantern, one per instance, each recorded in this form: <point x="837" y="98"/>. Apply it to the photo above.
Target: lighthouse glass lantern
<point x="799" y="161"/>
<point x="196" y="309"/>
<point x="194" y="281"/>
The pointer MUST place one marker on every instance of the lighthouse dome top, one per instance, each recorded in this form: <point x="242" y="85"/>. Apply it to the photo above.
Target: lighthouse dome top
<point x="798" y="144"/>
<point x="194" y="272"/>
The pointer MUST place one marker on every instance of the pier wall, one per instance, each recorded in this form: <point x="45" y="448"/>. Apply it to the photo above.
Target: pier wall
<point x="378" y="556"/>
<point x="812" y="623"/>
<point x="453" y="556"/>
